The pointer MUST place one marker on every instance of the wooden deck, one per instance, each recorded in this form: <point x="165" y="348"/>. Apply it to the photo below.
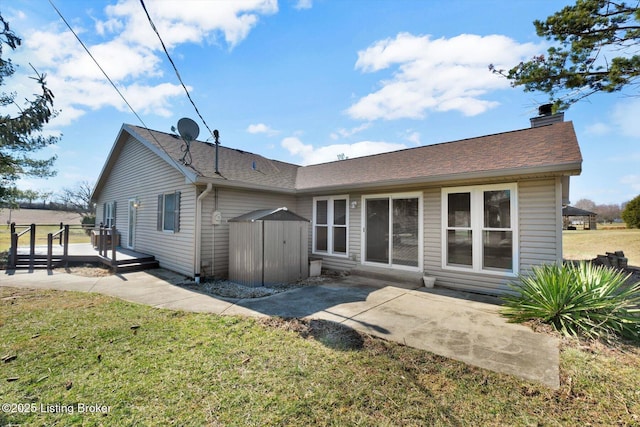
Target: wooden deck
<point x="126" y="259"/>
<point x="80" y="249"/>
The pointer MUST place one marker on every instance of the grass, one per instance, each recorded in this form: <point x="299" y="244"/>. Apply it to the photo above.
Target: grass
<point x="76" y="235"/>
<point x="584" y="245"/>
<point x="160" y="367"/>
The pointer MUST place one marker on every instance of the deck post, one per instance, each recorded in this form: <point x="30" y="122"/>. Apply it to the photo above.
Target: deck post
<point x="61" y="225"/>
<point x="32" y="245"/>
<point x="13" y="257"/>
<point x="113" y="245"/>
<point x="13" y="227"/>
<point x="101" y="241"/>
<point x="49" y="250"/>
<point x="65" y="249"/>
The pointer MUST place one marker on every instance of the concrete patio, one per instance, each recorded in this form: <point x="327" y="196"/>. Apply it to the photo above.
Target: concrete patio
<point x="440" y="321"/>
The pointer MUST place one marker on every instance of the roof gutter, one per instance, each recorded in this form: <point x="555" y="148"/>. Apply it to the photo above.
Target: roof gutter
<point x="219" y="182"/>
<point x="198" y="234"/>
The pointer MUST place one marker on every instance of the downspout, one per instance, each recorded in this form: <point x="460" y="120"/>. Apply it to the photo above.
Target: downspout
<point x="198" y="232"/>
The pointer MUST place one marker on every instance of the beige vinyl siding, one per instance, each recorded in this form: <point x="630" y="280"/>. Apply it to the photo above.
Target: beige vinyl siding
<point x="304" y="208"/>
<point x="139" y="173"/>
<point x="432" y="226"/>
<point x="231" y="203"/>
<point x="540" y="219"/>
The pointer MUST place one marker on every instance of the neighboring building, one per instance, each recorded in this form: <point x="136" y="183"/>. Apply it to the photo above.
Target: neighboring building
<point x="473" y="213"/>
<point x="578" y="219"/>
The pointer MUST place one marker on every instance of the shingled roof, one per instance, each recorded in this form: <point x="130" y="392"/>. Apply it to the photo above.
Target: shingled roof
<point x="235" y="166"/>
<point x="545" y="150"/>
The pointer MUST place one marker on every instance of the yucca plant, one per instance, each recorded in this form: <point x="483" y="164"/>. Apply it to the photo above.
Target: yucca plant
<point x="580" y="299"/>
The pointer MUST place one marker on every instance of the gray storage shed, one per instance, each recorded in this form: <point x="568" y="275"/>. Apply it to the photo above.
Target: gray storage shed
<point x="268" y="246"/>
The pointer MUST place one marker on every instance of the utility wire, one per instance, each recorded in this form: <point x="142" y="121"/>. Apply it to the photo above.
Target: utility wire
<point x="177" y="72"/>
<point x="113" y="84"/>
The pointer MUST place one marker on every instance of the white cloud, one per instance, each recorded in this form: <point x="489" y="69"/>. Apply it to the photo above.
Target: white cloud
<point x="598" y="128"/>
<point x="129" y="52"/>
<point x="631" y="180"/>
<point x="310" y="155"/>
<point x="435" y="75"/>
<point x="261" y="128"/>
<point x="188" y="20"/>
<point x="625" y="117"/>
<point x="414" y="137"/>
<point x="303" y="4"/>
<point x="346" y="133"/>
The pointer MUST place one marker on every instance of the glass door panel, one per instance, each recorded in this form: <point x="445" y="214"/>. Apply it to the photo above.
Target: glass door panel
<point x="377" y="230"/>
<point x="406" y="243"/>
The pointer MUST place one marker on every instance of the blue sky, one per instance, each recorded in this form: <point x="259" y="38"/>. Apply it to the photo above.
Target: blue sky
<point x="306" y="80"/>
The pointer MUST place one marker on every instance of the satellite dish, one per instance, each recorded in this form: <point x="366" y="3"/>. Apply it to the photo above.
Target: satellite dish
<point x="188" y="129"/>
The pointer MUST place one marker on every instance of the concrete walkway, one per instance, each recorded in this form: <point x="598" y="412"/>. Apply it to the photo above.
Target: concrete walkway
<point x="438" y="321"/>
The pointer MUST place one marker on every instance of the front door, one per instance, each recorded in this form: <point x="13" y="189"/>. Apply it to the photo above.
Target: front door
<point x="131" y="229"/>
<point x="392" y="230"/>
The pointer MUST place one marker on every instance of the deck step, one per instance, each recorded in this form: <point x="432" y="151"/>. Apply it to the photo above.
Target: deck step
<point x="23" y="262"/>
<point x="137" y="266"/>
<point x="398" y="278"/>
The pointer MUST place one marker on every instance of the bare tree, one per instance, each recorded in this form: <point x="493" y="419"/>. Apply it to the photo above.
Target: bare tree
<point x="608" y="213"/>
<point x="78" y="198"/>
<point x="586" y="204"/>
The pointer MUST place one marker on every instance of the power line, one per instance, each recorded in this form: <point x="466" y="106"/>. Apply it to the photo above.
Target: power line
<point x="176" y="69"/>
<point x="113" y="84"/>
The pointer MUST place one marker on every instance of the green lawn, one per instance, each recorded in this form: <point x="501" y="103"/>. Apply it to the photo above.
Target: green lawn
<point x="588" y="244"/>
<point x="160" y="367"/>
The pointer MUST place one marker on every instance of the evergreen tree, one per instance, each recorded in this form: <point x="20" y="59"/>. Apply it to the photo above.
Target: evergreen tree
<point x="21" y="126"/>
<point x="631" y="213"/>
<point x="596" y="50"/>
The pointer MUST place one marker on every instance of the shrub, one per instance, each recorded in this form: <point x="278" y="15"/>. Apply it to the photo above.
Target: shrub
<point x="631" y="213"/>
<point x="577" y="300"/>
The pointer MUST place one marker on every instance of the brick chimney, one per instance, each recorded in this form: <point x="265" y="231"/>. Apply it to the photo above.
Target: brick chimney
<point x="545" y="116"/>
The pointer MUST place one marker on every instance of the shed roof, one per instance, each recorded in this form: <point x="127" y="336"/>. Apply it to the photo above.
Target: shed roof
<point x="279" y="214"/>
<point x="573" y="211"/>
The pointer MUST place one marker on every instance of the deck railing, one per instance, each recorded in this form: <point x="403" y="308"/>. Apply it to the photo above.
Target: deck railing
<point x="62" y="232"/>
<point x="107" y="242"/>
<point x="13" y="257"/>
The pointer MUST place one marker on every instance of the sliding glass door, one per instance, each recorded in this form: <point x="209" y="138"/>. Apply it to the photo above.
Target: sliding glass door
<point x="392" y="230"/>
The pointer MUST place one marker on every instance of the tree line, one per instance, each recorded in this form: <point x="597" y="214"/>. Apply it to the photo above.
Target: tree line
<point x="607" y="213"/>
<point x="75" y="199"/>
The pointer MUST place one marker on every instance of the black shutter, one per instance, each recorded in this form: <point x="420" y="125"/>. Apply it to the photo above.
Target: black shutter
<point x="159" y="223"/>
<point x="176" y="213"/>
<point x="113" y="214"/>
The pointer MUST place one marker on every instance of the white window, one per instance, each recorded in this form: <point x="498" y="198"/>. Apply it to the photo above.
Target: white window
<point x="479" y="228"/>
<point x="109" y="214"/>
<point x="330" y="225"/>
<point x="169" y="212"/>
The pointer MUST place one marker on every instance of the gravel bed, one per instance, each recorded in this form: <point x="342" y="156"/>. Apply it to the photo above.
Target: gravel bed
<point x="228" y="289"/>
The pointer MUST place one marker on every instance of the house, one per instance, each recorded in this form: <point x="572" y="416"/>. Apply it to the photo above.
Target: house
<point x="473" y="213"/>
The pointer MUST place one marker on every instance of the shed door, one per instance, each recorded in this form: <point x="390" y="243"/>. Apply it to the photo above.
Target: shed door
<point x="283" y="252"/>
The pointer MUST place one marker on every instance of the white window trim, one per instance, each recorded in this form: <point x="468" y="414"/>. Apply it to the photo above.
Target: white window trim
<point x="477" y="226"/>
<point x="391" y="196"/>
<point x="330" y="225"/>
